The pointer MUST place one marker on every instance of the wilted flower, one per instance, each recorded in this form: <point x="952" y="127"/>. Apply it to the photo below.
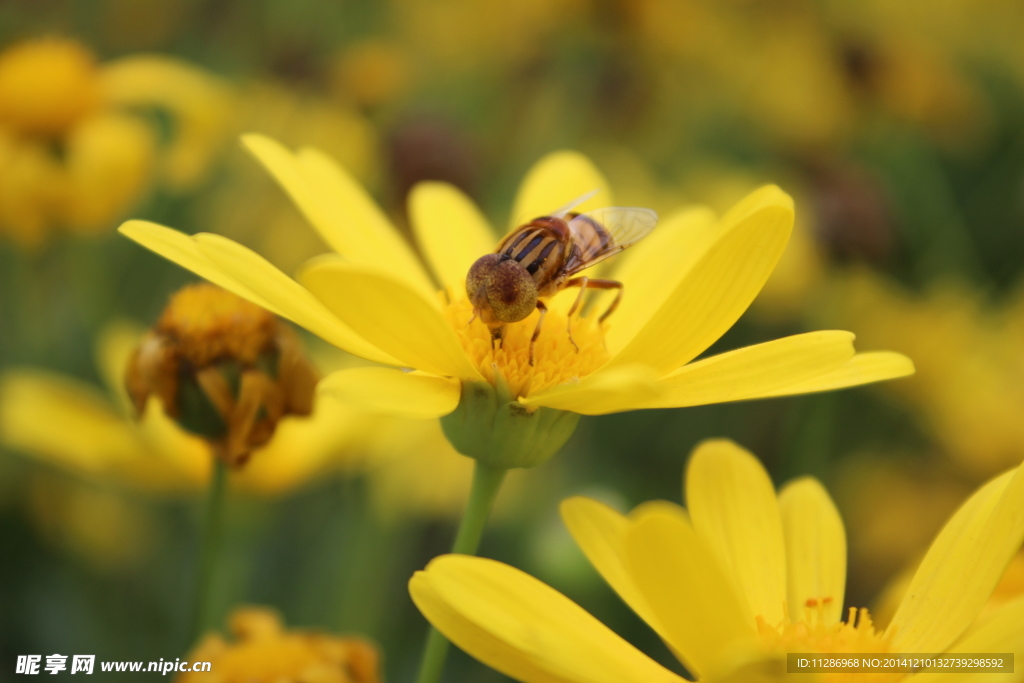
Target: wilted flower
<point x="224" y="369"/>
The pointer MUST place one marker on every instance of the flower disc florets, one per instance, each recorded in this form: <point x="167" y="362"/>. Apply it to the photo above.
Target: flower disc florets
<point x="223" y="368"/>
<point x="814" y="633"/>
<point x="490" y="424"/>
<point x="556" y="360"/>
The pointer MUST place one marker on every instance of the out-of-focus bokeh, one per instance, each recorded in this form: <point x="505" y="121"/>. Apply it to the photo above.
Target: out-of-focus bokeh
<point x="898" y="127"/>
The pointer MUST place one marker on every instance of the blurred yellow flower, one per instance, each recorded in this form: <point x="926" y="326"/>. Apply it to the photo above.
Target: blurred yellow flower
<point x="75" y="149"/>
<point x="685" y="286"/>
<point x="371" y="72"/>
<point x="48" y="85"/>
<point x="731" y="585"/>
<point x="489" y="34"/>
<point x="920" y="491"/>
<point x="264" y="651"/>
<point x="100" y="524"/>
<point x="969" y="388"/>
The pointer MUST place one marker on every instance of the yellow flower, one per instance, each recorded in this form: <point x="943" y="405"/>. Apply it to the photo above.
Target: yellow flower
<point x="968" y="391"/>
<point x="75" y="151"/>
<point x="411" y="467"/>
<point x="48" y="85"/>
<point x="685" y="286"/>
<point x="265" y="652"/>
<point x="731" y="584"/>
<point x="100" y="441"/>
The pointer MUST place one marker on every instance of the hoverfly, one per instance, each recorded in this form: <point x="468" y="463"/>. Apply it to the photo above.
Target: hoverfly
<point x="539" y="259"/>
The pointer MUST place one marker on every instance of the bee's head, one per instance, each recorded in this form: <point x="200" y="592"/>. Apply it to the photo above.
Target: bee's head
<point x="501" y="289"/>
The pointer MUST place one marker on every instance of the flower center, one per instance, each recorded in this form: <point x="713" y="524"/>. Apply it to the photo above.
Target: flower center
<point x="46" y="86"/>
<point x="208" y="323"/>
<point x="555" y="359"/>
<point x="815" y="634"/>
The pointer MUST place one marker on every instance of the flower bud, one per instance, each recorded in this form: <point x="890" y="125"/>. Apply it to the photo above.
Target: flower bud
<point x="223" y="368"/>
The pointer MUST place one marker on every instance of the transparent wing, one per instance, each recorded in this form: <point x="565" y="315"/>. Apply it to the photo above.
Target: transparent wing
<point x="562" y="211"/>
<point x="605" y="232"/>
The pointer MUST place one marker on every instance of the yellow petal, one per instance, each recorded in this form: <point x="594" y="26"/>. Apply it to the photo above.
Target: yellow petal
<point x="200" y="106"/>
<point x="109" y="160"/>
<point x="598" y="530"/>
<point x="385" y="390"/>
<point x="370" y="237"/>
<point x="815" y="548"/>
<point x="733" y="506"/>
<point x="523" y="628"/>
<point x="302" y="448"/>
<point x="755" y="371"/>
<point x="719" y="286"/>
<point x="220" y="260"/>
<point x="92" y="437"/>
<point x="962" y="567"/>
<point x="612" y="391"/>
<point x="556" y="180"/>
<point x="182" y="249"/>
<point x="450" y="230"/>
<point x="340" y="210"/>
<point x="864" y="368"/>
<point x="391" y="316"/>
<point x="1002" y="633"/>
<point x="679" y="575"/>
<point x="169" y="446"/>
<point x="114" y="348"/>
<point x="650" y="270"/>
<point x="286" y="297"/>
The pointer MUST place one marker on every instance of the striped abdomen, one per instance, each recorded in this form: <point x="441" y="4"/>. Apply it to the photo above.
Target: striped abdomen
<point x="540" y="248"/>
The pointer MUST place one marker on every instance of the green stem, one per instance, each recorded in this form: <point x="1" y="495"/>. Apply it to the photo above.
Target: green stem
<point x="212" y="528"/>
<point x="486" y="483"/>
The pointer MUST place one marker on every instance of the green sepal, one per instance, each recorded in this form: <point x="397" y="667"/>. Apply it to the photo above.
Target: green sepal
<point x="489" y="425"/>
<point x="196" y="412"/>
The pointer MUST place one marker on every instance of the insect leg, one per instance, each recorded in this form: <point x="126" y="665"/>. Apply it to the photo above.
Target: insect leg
<point x="601" y="284"/>
<point x="536" y="331"/>
<point x="582" y="281"/>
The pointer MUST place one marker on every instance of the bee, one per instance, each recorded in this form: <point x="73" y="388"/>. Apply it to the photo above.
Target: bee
<point x="540" y="258"/>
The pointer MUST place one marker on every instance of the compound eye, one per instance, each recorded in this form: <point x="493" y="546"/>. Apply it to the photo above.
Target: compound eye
<point x="511" y="291"/>
<point x="476" y="279"/>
